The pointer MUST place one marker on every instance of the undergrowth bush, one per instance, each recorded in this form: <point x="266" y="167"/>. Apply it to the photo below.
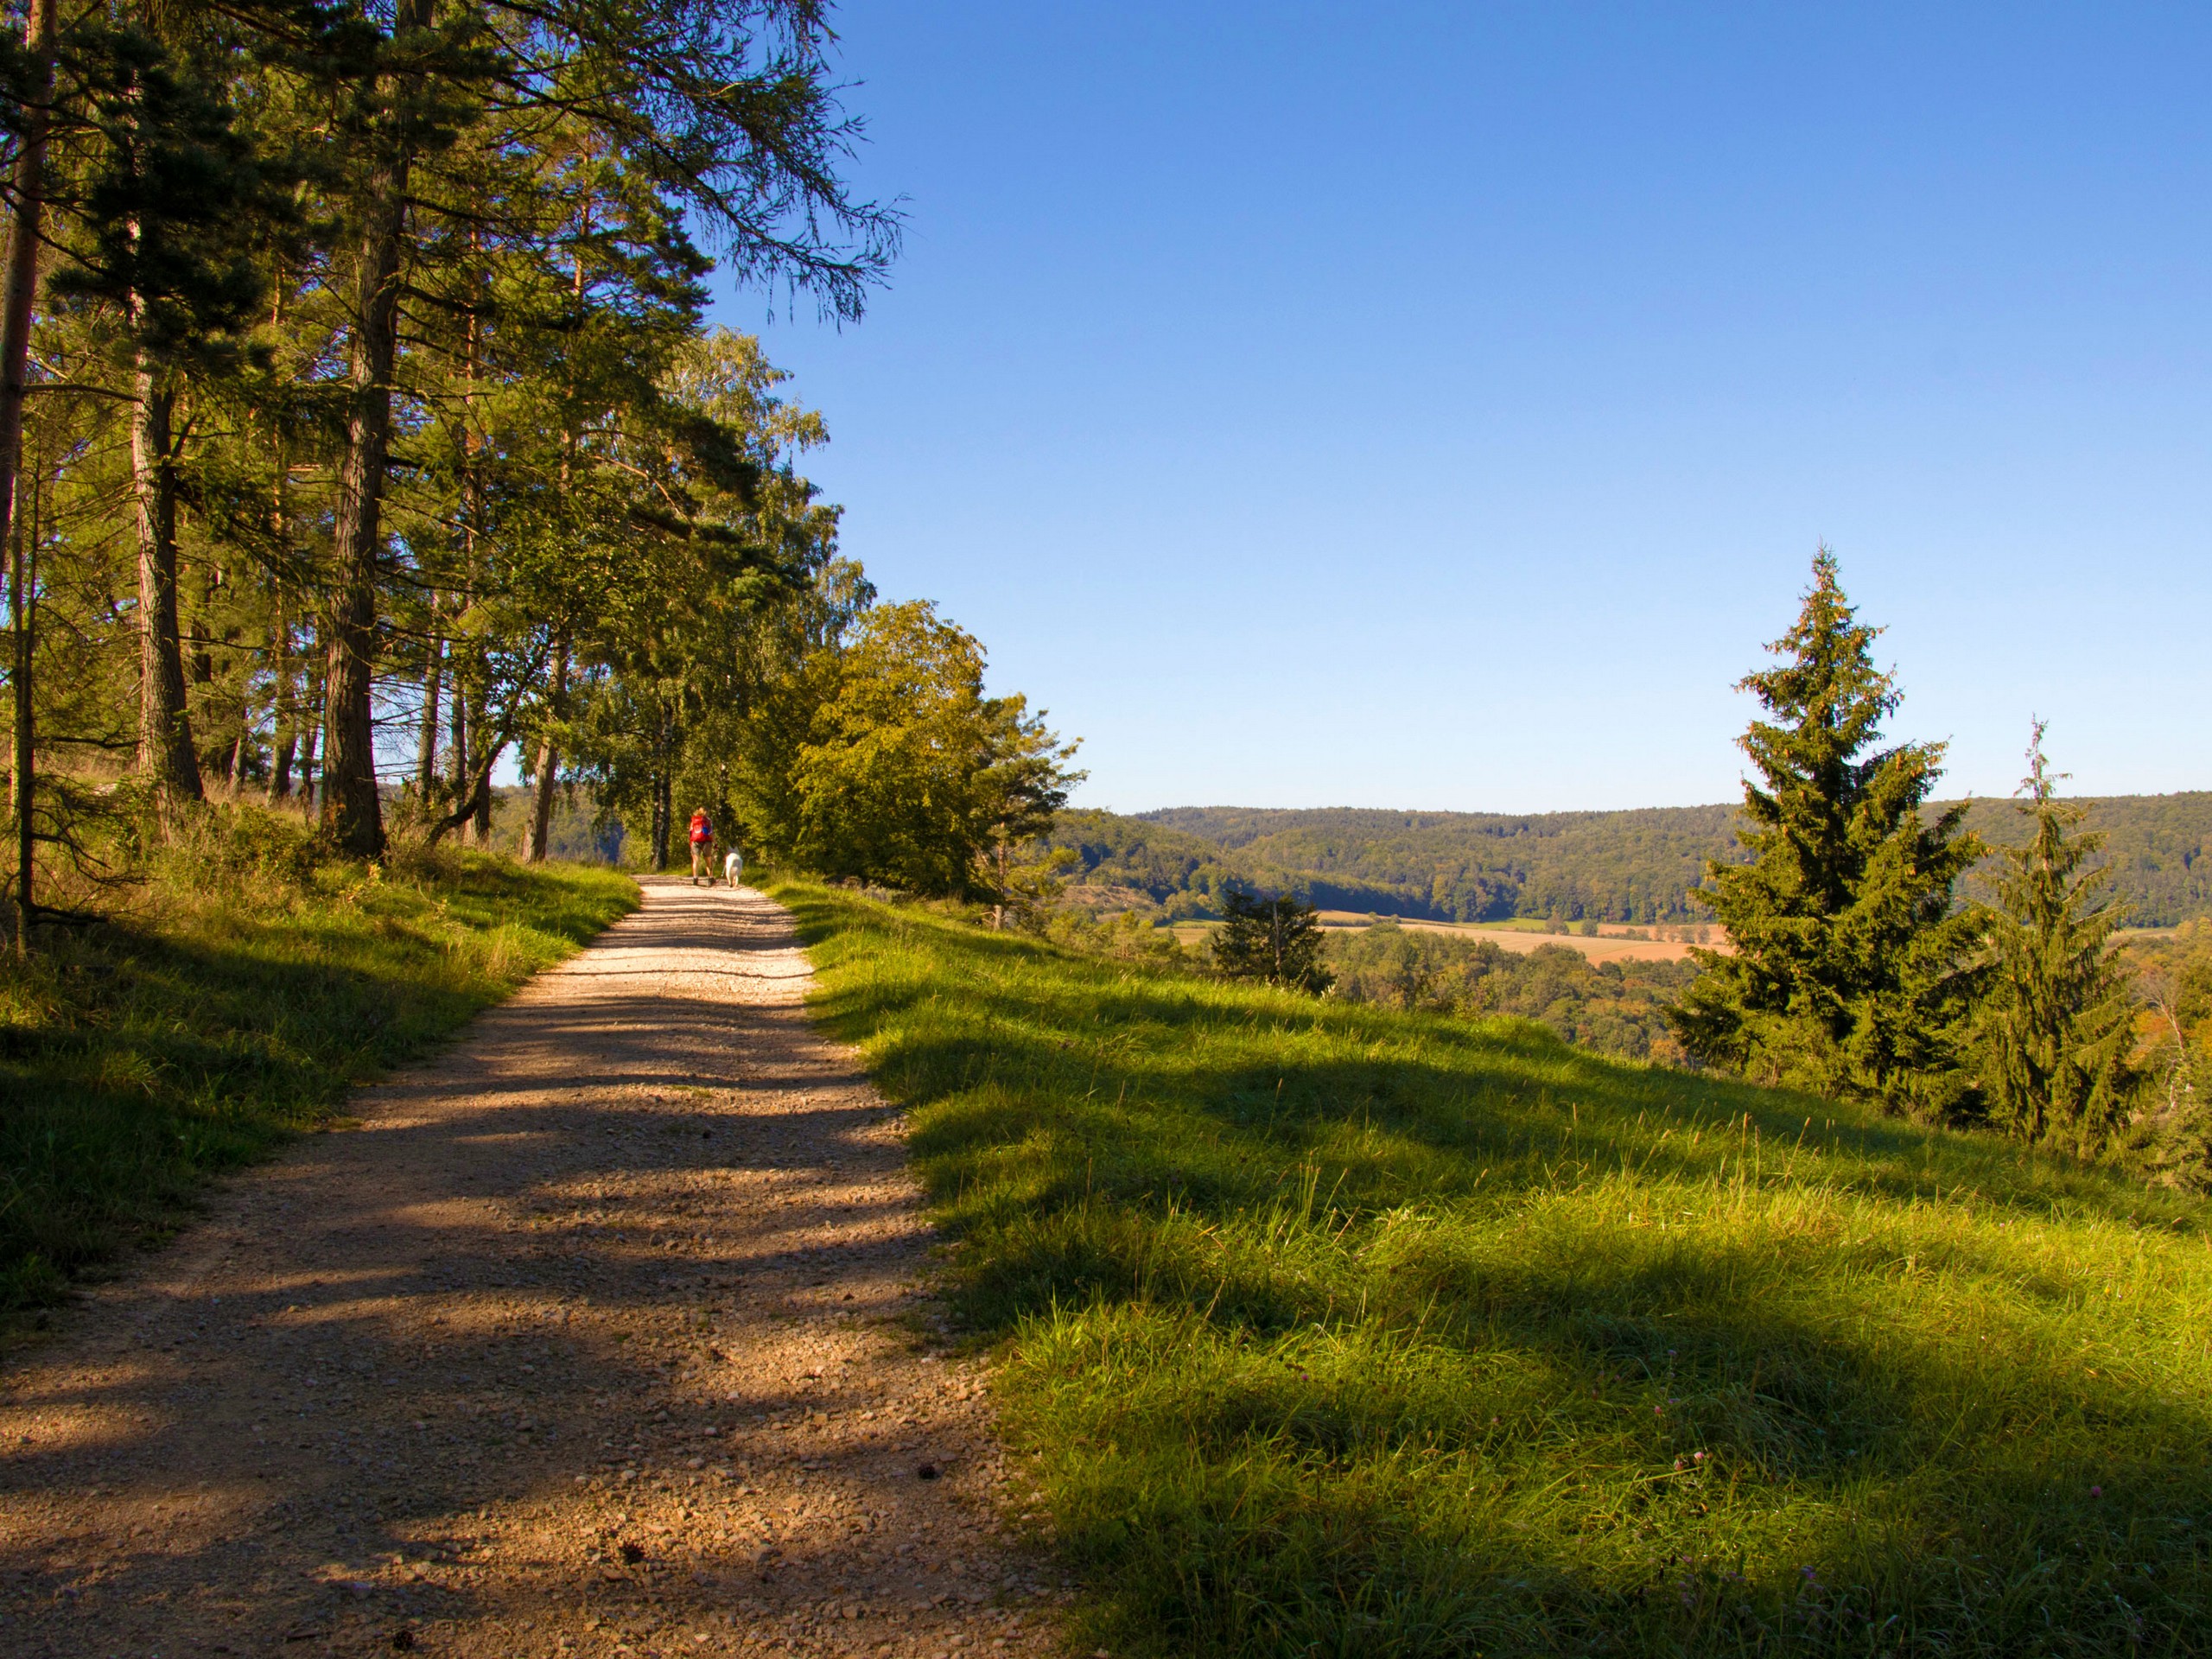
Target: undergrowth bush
<point x="225" y="852"/>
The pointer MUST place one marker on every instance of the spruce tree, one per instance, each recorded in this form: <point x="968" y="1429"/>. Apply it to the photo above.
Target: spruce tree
<point x="1275" y="940"/>
<point x="1848" y="976"/>
<point x="2056" y="1022"/>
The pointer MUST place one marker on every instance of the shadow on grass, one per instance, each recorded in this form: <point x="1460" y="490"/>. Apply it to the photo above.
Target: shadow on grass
<point x="137" y="1060"/>
<point x="438" y="1334"/>
<point x="1346" y="1332"/>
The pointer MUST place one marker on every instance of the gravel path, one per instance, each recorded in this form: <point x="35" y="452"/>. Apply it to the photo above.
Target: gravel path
<point x="606" y="1334"/>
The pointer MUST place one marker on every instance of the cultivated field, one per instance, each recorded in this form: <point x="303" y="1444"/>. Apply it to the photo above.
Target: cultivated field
<point x="1612" y="943"/>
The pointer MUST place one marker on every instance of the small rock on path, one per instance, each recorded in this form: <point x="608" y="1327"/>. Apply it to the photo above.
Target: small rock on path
<point x="606" y="1334"/>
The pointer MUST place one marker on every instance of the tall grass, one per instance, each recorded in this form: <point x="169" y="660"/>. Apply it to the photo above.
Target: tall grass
<point x="1331" y="1330"/>
<point x="239" y="992"/>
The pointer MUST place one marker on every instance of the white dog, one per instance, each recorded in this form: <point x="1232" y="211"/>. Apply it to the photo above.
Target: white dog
<point x="734" y="868"/>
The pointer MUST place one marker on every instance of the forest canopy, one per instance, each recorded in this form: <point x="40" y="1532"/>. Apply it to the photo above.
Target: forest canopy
<point x="1637" y="866"/>
<point x="1613" y="1007"/>
<point x="361" y="427"/>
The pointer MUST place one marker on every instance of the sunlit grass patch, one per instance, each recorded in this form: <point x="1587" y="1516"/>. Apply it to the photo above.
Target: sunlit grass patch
<point x="1331" y="1330"/>
<point x="226" y="1011"/>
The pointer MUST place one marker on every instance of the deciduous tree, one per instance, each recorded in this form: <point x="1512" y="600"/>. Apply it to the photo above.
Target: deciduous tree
<point x="907" y="770"/>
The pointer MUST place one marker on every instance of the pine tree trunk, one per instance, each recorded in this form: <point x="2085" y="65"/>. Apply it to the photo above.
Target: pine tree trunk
<point x="426" y="744"/>
<point x="311" y="734"/>
<point x="19" y="286"/>
<point x="549" y="751"/>
<point x="549" y="765"/>
<point x="234" y="757"/>
<point x="22" y="607"/>
<point x="286" y="735"/>
<point x="239" y="744"/>
<point x="481" y="821"/>
<point x="351" y="808"/>
<point x="165" y="758"/>
<point x="459" y="730"/>
<point x="468" y="748"/>
<point x="541" y="806"/>
<point x="663" y="815"/>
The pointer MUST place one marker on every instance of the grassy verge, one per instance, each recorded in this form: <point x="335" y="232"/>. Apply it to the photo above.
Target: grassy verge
<point x="235" y="1005"/>
<point x="1331" y="1330"/>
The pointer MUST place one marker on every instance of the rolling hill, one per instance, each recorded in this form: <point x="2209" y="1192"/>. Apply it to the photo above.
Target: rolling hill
<point x="1637" y="866"/>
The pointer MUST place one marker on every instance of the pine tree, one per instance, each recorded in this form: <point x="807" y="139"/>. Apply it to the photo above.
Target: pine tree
<point x="2057" y="1021"/>
<point x="1848" y="976"/>
<point x="724" y="106"/>
<point x="417" y="294"/>
<point x="170" y="203"/>
<point x="1276" y="940"/>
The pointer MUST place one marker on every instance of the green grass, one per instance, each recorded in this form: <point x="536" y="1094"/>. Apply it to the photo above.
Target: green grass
<point x="232" y="1007"/>
<point x="1328" y="1330"/>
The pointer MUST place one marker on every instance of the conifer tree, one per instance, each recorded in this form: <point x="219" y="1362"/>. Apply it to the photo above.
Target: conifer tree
<point x="1022" y="786"/>
<point x="403" y="305"/>
<point x="1849" y="974"/>
<point x="2056" y="1022"/>
<point x="168" y="203"/>
<point x="725" y="107"/>
<point x="1275" y="940"/>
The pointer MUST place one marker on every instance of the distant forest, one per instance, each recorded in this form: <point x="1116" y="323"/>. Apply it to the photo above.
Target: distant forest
<point x="1637" y="866"/>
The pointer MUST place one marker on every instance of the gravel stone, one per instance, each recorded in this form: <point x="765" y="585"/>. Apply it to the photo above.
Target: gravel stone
<point x="390" y="1385"/>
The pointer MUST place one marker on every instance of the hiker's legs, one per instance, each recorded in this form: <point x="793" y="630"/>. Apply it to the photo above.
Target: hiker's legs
<point x="698" y="858"/>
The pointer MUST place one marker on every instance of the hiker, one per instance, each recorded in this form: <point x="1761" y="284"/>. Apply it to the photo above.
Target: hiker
<point x="702" y="847"/>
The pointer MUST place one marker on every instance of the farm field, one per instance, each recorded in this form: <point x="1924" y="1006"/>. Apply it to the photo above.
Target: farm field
<point x="1612" y="943"/>
<point x="1329" y="1329"/>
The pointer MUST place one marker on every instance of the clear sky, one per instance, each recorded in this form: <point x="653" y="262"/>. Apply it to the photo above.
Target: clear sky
<point x="1438" y="405"/>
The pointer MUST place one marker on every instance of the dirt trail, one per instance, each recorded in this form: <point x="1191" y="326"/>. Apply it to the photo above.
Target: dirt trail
<point x="604" y="1335"/>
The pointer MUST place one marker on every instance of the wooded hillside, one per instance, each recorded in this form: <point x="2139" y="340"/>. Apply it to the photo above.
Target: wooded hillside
<point x="1628" y="866"/>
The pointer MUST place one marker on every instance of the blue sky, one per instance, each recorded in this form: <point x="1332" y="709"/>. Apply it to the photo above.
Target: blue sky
<point x="1437" y="406"/>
